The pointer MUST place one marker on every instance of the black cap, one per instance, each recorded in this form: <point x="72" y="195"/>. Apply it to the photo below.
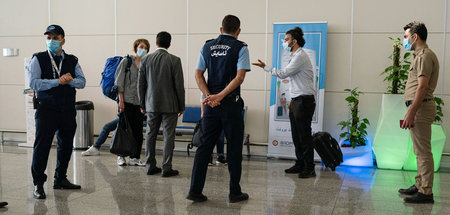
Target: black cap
<point x="55" y="29"/>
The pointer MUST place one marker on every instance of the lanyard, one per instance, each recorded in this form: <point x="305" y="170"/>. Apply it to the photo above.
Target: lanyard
<point x="55" y="69"/>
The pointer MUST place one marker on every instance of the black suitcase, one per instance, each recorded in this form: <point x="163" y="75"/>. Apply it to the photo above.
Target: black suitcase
<point x="195" y="137"/>
<point x="328" y="149"/>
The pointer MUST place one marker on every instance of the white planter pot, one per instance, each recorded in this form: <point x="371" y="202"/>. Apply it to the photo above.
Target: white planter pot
<point x="360" y="156"/>
<point x="391" y="142"/>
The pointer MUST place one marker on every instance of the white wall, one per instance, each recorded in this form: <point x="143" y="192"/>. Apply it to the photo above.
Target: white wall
<point x="93" y="35"/>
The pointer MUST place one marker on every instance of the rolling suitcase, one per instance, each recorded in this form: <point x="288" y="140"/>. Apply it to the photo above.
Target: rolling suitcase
<point x="328" y="149"/>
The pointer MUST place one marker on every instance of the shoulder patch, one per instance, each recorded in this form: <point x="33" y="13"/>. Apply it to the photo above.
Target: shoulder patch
<point x="243" y="43"/>
<point x="73" y="56"/>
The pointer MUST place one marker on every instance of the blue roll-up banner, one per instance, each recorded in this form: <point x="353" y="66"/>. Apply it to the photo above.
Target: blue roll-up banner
<point x="280" y="138"/>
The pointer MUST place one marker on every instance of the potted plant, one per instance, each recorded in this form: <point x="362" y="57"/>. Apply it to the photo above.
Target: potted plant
<point x="356" y="147"/>
<point x="397" y="73"/>
<point x="354" y="128"/>
<point x="390" y="141"/>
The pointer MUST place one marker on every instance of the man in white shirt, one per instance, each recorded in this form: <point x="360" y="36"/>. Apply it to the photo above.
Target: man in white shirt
<point x="303" y="104"/>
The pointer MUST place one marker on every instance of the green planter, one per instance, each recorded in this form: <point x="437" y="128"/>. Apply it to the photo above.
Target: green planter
<point x="437" y="146"/>
<point x="391" y="142"/>
<point x="393" y="146"/>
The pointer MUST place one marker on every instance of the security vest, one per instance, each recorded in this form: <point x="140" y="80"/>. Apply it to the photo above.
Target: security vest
<point x="221" y="57"/>
<point x="62" y="97"/>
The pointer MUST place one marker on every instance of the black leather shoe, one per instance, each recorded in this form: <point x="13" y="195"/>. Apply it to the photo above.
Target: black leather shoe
<point x="65" y="184"/>
<point x="196" y="197"/>
<point x="420" y="198"/>
<point x="3" y="204"/>
<point x="170" y="173"/>
<point x="410" y="191"/>
<point x="237" y="197"/>
<point x="307" y="174"/>
<point x="293" y="169"/>
<point x="152" y="171"/>
<point x="39" y="192"/>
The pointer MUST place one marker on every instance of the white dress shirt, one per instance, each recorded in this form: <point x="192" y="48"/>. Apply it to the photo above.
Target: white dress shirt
<point x="300" y="71"/>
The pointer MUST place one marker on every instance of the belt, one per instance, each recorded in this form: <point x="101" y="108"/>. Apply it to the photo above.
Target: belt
<point x="303" y="97"/>
<point x="409" y="102"/>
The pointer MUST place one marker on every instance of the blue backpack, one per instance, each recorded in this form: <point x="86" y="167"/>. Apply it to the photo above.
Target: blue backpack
<point x="107" y="83"/>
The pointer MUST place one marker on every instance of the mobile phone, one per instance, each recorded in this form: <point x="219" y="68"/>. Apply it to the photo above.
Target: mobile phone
<point x="401" y="123"/>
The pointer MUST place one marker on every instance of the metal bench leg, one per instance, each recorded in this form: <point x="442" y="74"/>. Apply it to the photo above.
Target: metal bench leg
<point x="187" y="148"/>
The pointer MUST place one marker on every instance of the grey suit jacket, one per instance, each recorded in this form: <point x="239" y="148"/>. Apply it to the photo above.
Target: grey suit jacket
<point x="161" y="83"/>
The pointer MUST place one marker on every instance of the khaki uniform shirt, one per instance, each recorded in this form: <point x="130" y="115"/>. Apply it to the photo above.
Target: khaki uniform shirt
<point x="425" y="63"/>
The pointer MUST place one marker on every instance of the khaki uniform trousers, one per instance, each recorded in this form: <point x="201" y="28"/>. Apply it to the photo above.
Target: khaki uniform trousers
<point x="421" y="138"/>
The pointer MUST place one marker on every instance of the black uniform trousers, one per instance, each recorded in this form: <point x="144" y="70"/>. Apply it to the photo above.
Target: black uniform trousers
<point x="48" y="122"/>
<point x="136" y="120"/>
<point x="226" y="116"/>
<point x="301" y="112"/>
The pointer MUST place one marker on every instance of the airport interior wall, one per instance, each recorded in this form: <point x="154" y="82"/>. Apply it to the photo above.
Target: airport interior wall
<point x="357" y="48"/>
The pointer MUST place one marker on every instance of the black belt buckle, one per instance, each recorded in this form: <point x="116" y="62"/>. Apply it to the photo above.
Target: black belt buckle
<point x="408" y="103"/>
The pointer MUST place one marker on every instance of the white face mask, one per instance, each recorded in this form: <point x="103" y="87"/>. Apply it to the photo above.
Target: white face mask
<point x="286" y="46"/>
<point x="141" y="52"/>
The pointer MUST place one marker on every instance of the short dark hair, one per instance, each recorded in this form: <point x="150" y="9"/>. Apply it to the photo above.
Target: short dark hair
<point x="163" y="39"/>
<point x="231" y="24"/>
<point x="418" y="28"/>
<point x="297" y="34"/>
<point x="139" y="41"/>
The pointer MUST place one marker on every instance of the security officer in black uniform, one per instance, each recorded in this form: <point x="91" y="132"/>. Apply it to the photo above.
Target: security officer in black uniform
<point x="54" y="75"/>
<point x="227" y="61"/>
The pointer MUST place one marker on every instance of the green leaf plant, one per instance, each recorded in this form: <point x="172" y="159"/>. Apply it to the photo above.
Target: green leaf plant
<point x="439" y="114"/>
<point x="397" y="73"/>
<point x="354" y="128"/>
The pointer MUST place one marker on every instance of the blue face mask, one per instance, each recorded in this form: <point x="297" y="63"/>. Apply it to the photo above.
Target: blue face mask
<point x="53" y="46"/>
<point x="286" y="46"/>
<point x="407" y="45"/>
<point x="141" y="52"/>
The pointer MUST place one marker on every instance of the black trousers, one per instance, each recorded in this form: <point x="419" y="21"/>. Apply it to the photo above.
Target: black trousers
<point x="301" y="112"/>
<point x="227" y="116"/>
<point x="47" y="123"/>
<point x="136" y="118"/>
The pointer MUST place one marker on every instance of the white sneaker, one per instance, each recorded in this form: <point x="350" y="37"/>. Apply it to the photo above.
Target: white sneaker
<point x="135" y="162"/>
<point x="91" y="151"/>
<point x="121" y="161"/>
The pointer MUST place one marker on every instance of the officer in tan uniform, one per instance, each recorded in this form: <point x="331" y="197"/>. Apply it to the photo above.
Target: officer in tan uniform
<point x="422" y="80"/>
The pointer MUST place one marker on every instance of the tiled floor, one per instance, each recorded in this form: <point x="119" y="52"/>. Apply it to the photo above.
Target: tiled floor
<point x="109" y="189"/>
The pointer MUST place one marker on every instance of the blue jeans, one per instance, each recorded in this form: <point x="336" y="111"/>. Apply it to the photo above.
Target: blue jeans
<point x="108" y="127"/>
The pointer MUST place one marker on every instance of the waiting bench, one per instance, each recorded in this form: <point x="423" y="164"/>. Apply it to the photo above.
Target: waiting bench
<point x="3" y="131"/>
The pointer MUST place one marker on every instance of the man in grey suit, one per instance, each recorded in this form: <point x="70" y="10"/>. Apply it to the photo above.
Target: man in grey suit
<point x="161" y="95"/>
